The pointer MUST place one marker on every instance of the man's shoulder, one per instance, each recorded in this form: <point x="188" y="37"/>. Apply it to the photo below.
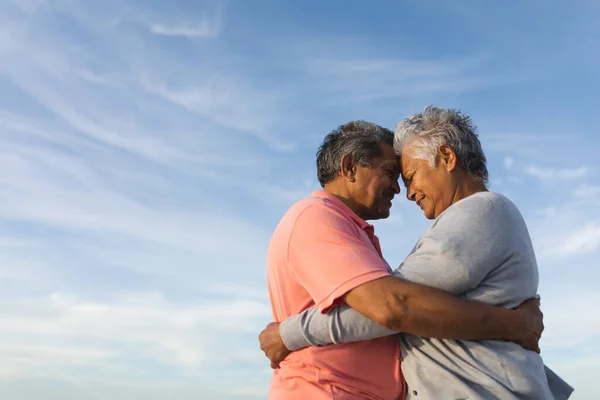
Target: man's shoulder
<point x="306" y="209"/>
<point x="314" y="208"/>
<point x="308" y="202"/>
<point x="310" y="212"/>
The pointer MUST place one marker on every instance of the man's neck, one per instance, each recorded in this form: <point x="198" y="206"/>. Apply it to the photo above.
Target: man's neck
<point x="342" y="193"/>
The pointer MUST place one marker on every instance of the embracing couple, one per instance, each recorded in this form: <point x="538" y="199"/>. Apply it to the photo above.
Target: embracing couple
<point x="458" y="319"/>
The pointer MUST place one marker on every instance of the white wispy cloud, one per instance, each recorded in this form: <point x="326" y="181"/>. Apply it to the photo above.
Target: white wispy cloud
<point x="356" y="79"/>
<point x="508" y="162"/>
<point x="21" y="360"/>
<point x="97" y="78"/>
<point x="29" y="5"/>
<point x="142" y="186"/>
<point x="547" y="174"/>
<point x="138" y="74"/>
<point x="64" y="191"/>
<point x="572" y="313"/>
<point x="231" y="103"/>
<point x="203" y="29"/>
<point x="522" y="143"/>
<point x="581" y="240"/>
<point x="574" y="308"/>
<point x="588" y="191"/>
<point x="565" y="229"/>
<point x="143" y="323"/>
<point x="208" y="25"/>
<point x="580" y="370"/>
<point x="86" y="342"/>
<point x="114" y="189"/>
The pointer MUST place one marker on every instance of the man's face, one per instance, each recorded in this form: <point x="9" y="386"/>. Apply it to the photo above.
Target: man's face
<point x="431" y="188"/>
<point x="374" y="187"/>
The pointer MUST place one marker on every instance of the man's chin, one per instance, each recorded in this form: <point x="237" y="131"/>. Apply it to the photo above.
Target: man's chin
<point x="383" y="214"/>
<point x="379" y="213"/>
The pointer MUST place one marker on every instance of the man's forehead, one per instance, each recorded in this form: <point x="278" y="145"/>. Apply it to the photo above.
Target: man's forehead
<point x="388" y="157"/>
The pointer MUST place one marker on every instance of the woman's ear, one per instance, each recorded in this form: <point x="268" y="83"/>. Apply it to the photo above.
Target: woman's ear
<point x="447" y="157"/>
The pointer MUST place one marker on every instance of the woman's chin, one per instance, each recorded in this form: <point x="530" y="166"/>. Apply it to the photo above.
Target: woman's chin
<point x="428" y="214"/>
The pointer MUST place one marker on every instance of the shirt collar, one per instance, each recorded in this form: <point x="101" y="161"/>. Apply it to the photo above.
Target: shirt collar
<point x="343" y="208"/>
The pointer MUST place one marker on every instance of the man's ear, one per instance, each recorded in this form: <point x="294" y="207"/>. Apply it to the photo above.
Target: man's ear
<point x="447" y="157"/>
<point x="348" y="167"/>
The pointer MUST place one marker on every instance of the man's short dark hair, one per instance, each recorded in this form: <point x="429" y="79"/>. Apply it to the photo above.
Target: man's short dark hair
<point x="361" y="139"/>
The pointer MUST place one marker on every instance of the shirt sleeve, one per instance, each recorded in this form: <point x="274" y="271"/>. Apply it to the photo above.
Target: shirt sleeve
<point x="454" y="255"/>
<point x="329" y="256"/>
<point x="459" y="250"/>
<point x="340" y="325"/>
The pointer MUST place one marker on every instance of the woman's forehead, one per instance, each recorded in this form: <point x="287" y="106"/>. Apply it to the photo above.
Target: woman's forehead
<point x="409" y="162"/>
<point x="406" y="160"/>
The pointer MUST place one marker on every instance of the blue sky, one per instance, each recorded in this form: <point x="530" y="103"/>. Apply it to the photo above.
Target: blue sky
<point x="149" y="149"/>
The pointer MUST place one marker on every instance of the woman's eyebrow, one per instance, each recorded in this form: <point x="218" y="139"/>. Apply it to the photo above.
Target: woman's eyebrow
<point x="406" y="171"/>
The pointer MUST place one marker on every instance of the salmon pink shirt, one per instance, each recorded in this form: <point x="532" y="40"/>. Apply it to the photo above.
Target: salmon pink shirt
<point x="319" y="251"/>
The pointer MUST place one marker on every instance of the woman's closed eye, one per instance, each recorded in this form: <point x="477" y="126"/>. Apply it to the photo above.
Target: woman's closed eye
<point x="407" y="179"/>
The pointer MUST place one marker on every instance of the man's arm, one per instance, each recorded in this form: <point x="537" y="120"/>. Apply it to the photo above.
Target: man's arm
<point x="343" y="325"/>
<point x="454" y="256"/>
<point x="423" y="311"/>
<point x="419" y="310"/>
<point x="524" y="325"/>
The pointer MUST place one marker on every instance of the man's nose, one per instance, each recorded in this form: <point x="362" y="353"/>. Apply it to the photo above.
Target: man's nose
<point x="396" y="187"/>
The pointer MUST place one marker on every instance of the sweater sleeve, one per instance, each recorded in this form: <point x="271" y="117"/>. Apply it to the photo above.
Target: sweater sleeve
<point x="460" y="249"/>
<point x="340" y="325"/>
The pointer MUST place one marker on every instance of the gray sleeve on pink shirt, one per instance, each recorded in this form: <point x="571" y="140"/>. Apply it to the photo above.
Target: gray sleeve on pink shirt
<point x="453" y="255"/>
<point x="341" y="325"/>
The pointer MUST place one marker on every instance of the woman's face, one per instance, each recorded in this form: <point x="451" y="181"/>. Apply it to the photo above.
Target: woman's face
<point x="433" y="189"/>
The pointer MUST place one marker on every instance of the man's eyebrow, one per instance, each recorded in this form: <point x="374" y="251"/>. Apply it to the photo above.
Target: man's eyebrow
<point x="391" y="165"/>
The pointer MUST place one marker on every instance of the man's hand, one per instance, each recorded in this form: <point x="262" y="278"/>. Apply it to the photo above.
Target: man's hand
<point x="272" y="344"/>
<point x="529" y="332"/>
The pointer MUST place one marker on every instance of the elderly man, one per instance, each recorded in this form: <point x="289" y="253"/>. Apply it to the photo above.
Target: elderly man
<point x="324" y="254"/>
<point x="478" y="248"/>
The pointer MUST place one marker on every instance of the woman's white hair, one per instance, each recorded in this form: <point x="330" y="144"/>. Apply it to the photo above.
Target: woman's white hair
<point x="435" y="126"/>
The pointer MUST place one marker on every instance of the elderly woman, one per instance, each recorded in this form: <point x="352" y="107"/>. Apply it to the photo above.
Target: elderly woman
<point x="477" y="248"/>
